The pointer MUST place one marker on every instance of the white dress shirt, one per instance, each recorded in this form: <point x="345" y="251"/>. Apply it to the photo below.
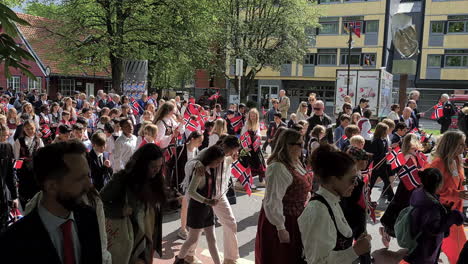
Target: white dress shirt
<point x="319" y="234"/>
<point x="278" y="181"/>
<point x="213" y="139"/>
<point x="123" y="149"/>
<point x="52" y="224"/>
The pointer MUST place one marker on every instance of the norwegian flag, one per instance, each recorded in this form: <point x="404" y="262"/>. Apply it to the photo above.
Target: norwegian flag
<point x="15" y="215"/>
<point x="192" y="125"/>
<point x="438" y="111"/>
<point x="396" y="158"/>
<point x="369" y="169"/>
<point x="170" y="152"/>
<point x="46" y="132"/>
<point x="257" y="143"/>
<point x="409" y="175"/>
<point x="263" y="126"/>
<point x="414" y="131"/>
<point x="236" y="123"/>
<point x="422" y="159"/>
<point x="214" y="96"/>
<point x="245" y="140"/>
<point x="344" y="137"/>
<point x="135" y="107"/>
<point x="243" y="174"/>
<point x="18" y="164"/>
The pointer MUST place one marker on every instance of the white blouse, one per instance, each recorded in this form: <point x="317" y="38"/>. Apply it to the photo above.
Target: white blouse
<point x="213" y="139"/>
<point x="164" y="140"/>
<point x="278" y="180"/>
<point x="319" y="234"/>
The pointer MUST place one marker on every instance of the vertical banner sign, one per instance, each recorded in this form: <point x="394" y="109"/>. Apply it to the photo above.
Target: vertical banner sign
<point x="341" y="87"/>
<point x="368" y="87"/>
<point x="135" y="78"/>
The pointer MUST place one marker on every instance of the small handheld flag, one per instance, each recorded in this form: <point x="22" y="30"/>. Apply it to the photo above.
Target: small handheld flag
<point x="396" y="158"/>
<point x="243" y="174"/>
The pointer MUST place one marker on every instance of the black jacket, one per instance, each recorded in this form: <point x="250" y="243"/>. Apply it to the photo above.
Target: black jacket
<point x="100" y="174"/>
<point x="357" y="109"/>
<point x="27" y="241"/>
<point x="326" y="122"/>
<point x="8" y="188"/>
<point x="272" y="128"/>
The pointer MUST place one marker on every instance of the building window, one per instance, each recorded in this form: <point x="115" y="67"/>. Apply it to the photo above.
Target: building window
<point x="369" y="59"/>
<point x="437" y="27"/>
<point x="355" y="59"/>
<point x="14" y="83"/>
<point x="456" y="60"/>
<point x="327" y="57"/>
<point x="310" y="33"/>
<point x="35" y="84"/>
<point x="434" y="61"/>
<point x="457" y="27"/>
<point x="328" y="1"/>
<point x="349" y="22"/>
<point x="372" y="26"/>
<point x="107" y="85"/>
<point x="67" y="86"/>
<point x="309" y="59"/>
<point x="329" y="25"/>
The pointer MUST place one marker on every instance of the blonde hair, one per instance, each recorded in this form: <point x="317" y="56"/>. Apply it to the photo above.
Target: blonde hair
<point x="446" y="145"/>
<point x="253" y="124"/>
<point x="219" y="127"/>
<point x="390" y="123"/>
<point x="150" y="129"/>
<point x="3" y="119"/>
<point x="142" y="128"/>
<point x="358" y="139"/>
<point x="409" y="141"/>
<point x="281" y="151"/>
<point x="353" y="115"/>
<point x="299" y="108"/>
<point x="10" y="113"/>
<point x="317" y="130"/>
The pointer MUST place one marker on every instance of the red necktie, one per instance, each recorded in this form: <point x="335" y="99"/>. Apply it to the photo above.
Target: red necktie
<point x="68" y="249"/>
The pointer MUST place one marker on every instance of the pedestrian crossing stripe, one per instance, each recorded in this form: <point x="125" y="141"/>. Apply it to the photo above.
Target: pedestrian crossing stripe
<point x="206" y="253"/>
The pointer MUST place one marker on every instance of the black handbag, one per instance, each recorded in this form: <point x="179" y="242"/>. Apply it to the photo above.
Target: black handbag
<point x="231" y="193"/>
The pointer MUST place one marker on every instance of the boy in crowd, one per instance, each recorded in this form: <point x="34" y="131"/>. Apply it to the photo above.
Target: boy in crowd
<point x="365" y="125"/>
<point x="64" y="133"/>
<point x="98" y="161"/>
<point x="339" y="131"/>
<point x="400" y="131"/>
<point x="272" y="128"/>
<point x="350" y="131"/>
<point x="357" y="142"/>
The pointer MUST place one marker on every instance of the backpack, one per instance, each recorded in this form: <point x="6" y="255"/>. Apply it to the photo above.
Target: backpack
<point x="403" y="230"/>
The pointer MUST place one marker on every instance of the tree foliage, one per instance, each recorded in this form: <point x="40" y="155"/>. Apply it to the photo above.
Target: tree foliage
<point x="264" y="33"/>
<point x="11" y="54"/>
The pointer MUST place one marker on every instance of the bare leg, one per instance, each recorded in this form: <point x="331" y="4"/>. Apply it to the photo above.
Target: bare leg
<point x="211" y="239"/>
<point x="192" y="240"/>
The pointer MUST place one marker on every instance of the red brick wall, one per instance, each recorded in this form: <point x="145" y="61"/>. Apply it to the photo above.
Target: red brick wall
<point x="23" y="78"/>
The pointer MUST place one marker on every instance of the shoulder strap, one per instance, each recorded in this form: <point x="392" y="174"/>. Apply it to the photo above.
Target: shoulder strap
<point x="318" y="197"/>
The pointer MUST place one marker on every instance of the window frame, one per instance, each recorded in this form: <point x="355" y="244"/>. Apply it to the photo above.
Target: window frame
<point x="363" y="55"/>
<point x="71" y="87"/>
<point x="327" y="52"/>
<point x="32" y="84"/>
<point x="441" y="57"/>
<point x="310" y="55"/>
<point x="337" y="23"/>
<point x="465" y="27"/>
<point x="11" y="83"/>
<point x="344" y="59"/>
<point x="464" y="58"/>
<point x="437" y="22"/>
<point x="367" y="22"/>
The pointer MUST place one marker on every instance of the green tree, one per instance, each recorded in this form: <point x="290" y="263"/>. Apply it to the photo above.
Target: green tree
<point x="263" y="33"/>
<point x="11" y="54"/>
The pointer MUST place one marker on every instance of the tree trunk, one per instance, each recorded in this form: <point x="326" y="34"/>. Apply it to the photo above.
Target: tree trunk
<point x="117" y="73"/>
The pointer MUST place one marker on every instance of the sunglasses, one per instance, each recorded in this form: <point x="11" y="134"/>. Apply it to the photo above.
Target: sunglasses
<point x="317" y="108"/>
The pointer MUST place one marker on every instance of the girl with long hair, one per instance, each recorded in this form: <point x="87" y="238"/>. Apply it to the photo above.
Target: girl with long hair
<point x="136" y="194"/>
<point x="68" y="106"/>
<point x="287" y="191"/>
<point x="255" y="160"/>
<point x="219" y="130"/>
<point x="301" y="113"/>
<point x="202" y="193"/>
<point x="168" y="127"/>
<point x="13" y="121"/>
<point x="449" y="161"/>
<point x="326" y="235"/>
<point x="28" y="109"/>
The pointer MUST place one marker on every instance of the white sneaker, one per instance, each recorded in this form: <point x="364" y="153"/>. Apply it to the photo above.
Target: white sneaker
<point x="261" y="184"/>
<point x="253" y="186"/>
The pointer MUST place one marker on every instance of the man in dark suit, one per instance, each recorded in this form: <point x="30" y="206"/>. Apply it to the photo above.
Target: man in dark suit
<point x="407" y="119"/>
<point x="61" y="229"/>
<point x="363" y="104"/>
<point x="320" y="118"/>
<point x="99" y="164"/>
<point x="412" y="104"/>
<point x="273" y="128"/>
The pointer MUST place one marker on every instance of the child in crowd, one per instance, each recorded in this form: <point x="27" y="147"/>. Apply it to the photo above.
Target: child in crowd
<point x="339" y="131"/>
<point x="350" y="131"/>
<point x="150" y="131"/>
<point x="64" y="133"/>
<point x="317" y="134"/>
<point x="357" y="141"/>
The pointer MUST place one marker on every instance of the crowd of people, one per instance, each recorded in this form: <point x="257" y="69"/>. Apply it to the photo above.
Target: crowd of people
<point x="91" y="177"/>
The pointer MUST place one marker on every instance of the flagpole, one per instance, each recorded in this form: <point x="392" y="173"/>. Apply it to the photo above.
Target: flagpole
<point x="349" y="56"/>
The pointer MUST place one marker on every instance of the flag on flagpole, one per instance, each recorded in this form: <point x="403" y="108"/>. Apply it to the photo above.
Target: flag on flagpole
<point x="243" y="174"/>
<point x="236" y="123"/>
<point x="438" y="111"/>
<point x="257" y="143"/>
<point x="18" y="164"/>
<point x="409" y="175"/>
<point x="245" y="140"/>
<point x="355" y="27"/>
<point x="214" y="96"/>
<point x="192" y="125"/>
<point x="396" y="158"/>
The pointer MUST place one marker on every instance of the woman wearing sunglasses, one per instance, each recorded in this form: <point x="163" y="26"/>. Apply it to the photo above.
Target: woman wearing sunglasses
<point x="326" y="235"/>
<point x="287" y="191"/>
